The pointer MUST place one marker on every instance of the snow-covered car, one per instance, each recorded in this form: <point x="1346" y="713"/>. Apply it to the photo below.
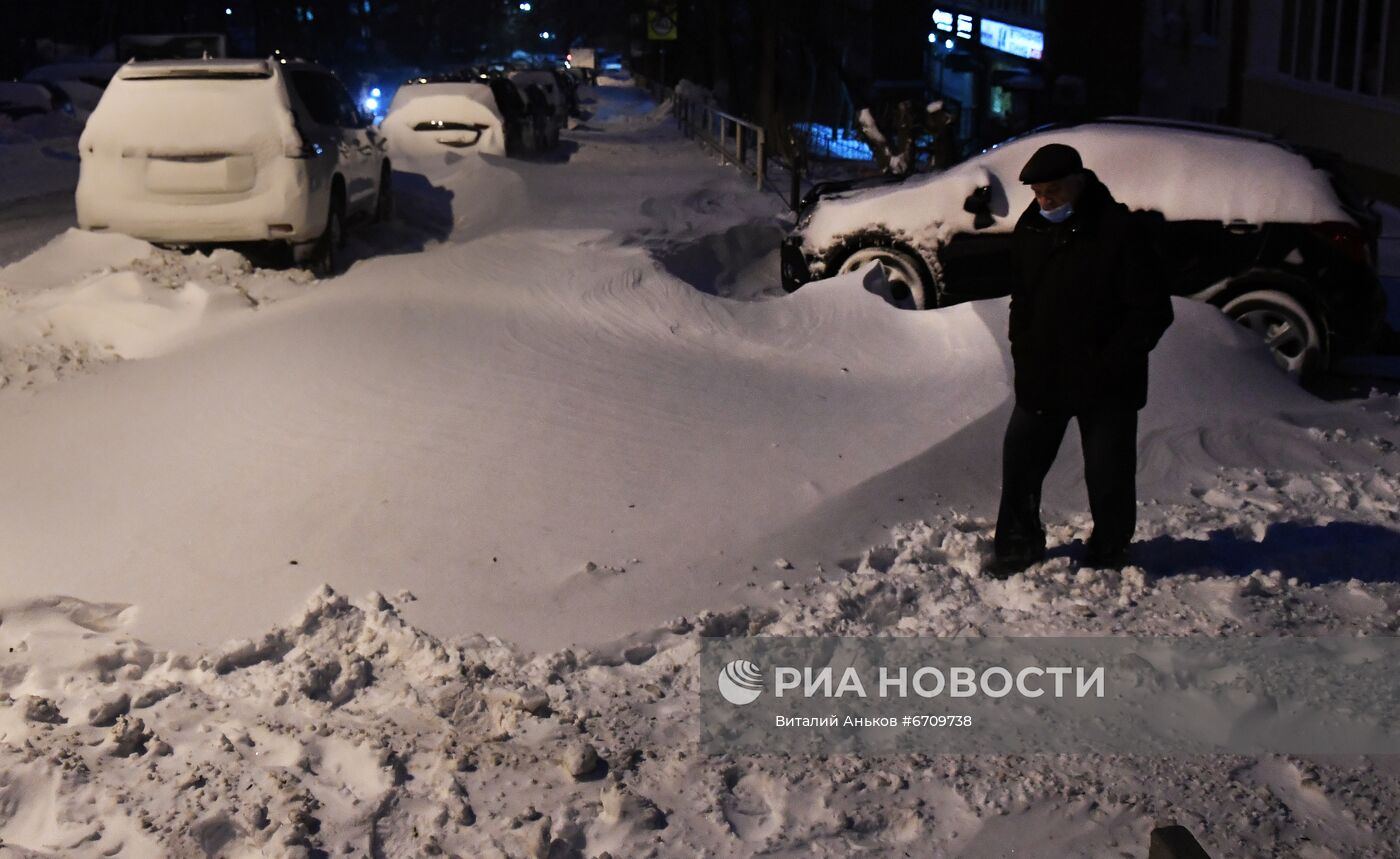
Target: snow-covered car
<point x="19" y="99"/>
<point x="557" y="114"/>
<point x="75" y="87"/>
<point x="445" y="116"/>
<point x="568" y="85"/>
<point x="521" y="125"/>
<point x="216" y="151"/>
<point x="1251" y="224"/>
<point x="94" y="73"/>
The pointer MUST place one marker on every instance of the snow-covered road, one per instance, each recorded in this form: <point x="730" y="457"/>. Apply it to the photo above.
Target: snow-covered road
<point x="561" y="404"/>
<point x="481" y="420"/>
<point x="28" y="224"/>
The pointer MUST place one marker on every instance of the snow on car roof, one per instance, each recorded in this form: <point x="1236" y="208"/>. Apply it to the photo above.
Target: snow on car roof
<point x="1186" y="173"/>
<point x="192" y="106"/>
<point x="525" y="77"/>
<point x="1179" y="124"/>
<point x="195" y="68"/>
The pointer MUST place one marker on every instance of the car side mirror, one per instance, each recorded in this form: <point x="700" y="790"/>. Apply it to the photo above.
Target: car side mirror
<point x="979" y="205"/>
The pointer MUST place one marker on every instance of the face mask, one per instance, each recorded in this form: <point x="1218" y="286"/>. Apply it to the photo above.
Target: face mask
<point x="1058" y="215"/>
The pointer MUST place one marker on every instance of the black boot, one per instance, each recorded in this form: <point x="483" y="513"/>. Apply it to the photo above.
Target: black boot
<point x="1004" y="565"/>
<point x="1104" y="557"/>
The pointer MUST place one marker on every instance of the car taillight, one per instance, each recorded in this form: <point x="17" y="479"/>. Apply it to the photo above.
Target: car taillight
<point x="1348" y="239"/>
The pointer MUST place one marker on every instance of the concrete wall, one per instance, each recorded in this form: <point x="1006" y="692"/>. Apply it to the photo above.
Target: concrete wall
<point x="1363" y="131"/>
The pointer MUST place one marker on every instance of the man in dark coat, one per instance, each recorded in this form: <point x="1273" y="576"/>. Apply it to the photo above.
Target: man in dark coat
<point x="1090" y="304"/>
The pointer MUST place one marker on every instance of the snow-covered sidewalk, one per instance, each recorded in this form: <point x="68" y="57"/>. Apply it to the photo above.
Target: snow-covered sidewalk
<point x="542" y="436"/>
<point x="348" y="731"/>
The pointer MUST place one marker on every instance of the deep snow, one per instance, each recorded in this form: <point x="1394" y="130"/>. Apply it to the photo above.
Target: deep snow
<point x="529" y="413"/>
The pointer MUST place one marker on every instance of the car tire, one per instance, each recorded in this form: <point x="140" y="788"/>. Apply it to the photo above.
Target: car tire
<point x="325" y="259"/>
<point x="1292" y="333"/>
<point x="384" y="199"/>
<point x="909" y="285"/>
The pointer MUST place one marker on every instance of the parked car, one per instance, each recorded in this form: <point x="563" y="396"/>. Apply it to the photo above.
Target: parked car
<point x="76" y="87"/>
<point x="544" y="124"/>
<point x="71" y="89"/>
<point x="524" y="117"/>
<point x="568" y="85"/>
<point x="1258" y="227"/>
<point x="19" y="99"/>
<point x="446" y="116"/>
<point x="584" y="61"/>
<point x="94" y="73"/>
<point x="521" y="125"/>
<point x="214" y="151"/>
<point x="557" y="100"/>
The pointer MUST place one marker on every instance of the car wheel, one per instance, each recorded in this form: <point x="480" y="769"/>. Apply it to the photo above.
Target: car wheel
<point x="384" y="200"/>
<point x="325" y="262"/>
<point x="908" y="288"/>
<point x="1285" y="326"/>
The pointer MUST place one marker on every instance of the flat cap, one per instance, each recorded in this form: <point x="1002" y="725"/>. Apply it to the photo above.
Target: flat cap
<point x="1050" y="162"/>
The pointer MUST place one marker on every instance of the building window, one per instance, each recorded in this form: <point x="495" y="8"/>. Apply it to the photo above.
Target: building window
<point x="1353" y="45"/>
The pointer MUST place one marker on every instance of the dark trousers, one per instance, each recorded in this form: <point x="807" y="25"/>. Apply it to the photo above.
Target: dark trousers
<point x="1110" y="464"/>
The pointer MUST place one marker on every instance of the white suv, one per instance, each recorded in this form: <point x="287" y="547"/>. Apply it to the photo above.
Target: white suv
<point x="213" y="151"/>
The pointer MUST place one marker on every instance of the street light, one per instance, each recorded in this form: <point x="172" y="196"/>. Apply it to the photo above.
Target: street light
<point x="526" y="7"/>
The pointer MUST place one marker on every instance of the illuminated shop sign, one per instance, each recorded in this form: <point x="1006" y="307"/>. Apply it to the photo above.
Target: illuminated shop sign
<point x="1017" y="41"/>
<point x="964" y="26"/>
<point x="943" y="20"/>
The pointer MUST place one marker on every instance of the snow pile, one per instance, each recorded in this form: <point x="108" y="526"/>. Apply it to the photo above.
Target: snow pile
<point x="691" y="91"/>
<point x="455" y="197"/>
<point x="349" y="731"/>
<point x="87" y="299"/>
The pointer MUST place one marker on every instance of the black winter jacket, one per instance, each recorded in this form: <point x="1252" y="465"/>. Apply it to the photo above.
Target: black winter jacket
<point x="1090" y="304"/>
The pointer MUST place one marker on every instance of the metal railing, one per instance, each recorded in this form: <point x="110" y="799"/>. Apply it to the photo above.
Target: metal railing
<point x="737" y="141"/>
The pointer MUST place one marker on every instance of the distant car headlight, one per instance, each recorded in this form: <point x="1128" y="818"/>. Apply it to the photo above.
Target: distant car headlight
<point x="371" y="103"/>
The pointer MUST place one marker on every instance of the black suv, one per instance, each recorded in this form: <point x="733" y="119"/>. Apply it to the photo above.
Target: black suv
<point x="1262" y="229"/>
